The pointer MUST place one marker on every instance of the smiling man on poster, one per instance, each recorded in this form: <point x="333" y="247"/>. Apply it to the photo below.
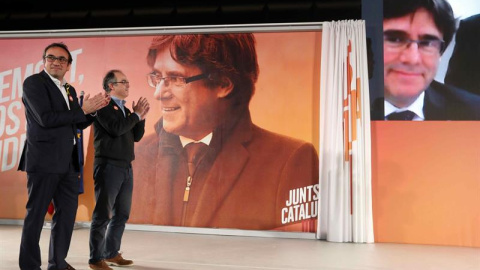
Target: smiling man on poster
<point x="239" y="175"/>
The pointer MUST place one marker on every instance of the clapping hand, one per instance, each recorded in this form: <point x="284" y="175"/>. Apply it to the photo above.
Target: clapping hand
<point x="95" y="103"/>
<point x="142" y="107"/>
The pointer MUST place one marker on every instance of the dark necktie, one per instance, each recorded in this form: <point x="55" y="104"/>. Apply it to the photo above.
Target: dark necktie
<point x="195" y="153"/>
<point x="405" y="115"/>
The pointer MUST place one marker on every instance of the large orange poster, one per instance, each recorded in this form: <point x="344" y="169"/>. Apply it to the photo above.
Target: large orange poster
<point x="284" y="109"/>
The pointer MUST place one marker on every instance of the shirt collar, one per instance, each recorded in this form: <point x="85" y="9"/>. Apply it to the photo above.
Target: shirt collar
<point x="120" y="102"/>
<point x="57" y="81"/>
<point x="206" y="140"/>
<point x="416" y="107"/>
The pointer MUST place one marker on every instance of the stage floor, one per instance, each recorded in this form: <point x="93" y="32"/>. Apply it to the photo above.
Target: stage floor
<point x="175" y="251"/>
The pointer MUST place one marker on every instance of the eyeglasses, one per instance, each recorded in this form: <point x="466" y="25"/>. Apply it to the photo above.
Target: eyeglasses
<point x="124" y="82"/>
<point x="426" y="46"/>
<point x="51" y="59"/>
<point x="154" y="80"/>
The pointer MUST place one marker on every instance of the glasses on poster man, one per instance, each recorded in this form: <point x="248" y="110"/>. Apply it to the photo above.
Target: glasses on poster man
<point x="428" y="46"/>
<point x="154" y="80"/>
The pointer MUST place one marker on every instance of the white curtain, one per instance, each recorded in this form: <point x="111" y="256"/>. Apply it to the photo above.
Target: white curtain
<point x="345" y="148"/>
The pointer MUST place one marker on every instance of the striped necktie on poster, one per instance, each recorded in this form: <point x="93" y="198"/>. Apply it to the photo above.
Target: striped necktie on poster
<point x="195" y="153"/>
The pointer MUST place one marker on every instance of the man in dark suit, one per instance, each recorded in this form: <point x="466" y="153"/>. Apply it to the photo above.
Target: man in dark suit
<point x="416" y="33"/>
<point x="50" y="156"/>
<point x="463" y="68"/>
<point x="245" y="177"/>
<point x="116" y="130"/>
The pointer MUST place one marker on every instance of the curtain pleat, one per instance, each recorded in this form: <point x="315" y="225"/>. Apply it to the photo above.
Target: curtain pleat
<point x="345" y="148"/>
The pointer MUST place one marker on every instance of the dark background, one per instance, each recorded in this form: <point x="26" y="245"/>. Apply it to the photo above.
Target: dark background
<point x="44" y="15"/>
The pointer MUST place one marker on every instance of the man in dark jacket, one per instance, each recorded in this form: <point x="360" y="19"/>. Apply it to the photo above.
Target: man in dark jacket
<point x="50" y="156"/>
<point x="116" y="129"/>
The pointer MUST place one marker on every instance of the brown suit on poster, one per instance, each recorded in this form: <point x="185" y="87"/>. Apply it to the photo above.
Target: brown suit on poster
<point x="245" y="184"/>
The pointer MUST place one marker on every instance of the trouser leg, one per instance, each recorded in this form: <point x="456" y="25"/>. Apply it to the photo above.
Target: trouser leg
<point x="41" y="187"/>
<point x="65" y="200"/>
<point x="121" y="211"/>
<point x="107" y="186"/>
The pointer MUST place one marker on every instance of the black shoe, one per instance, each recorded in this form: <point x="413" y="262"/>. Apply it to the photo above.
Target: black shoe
<point x="69" y="267"/>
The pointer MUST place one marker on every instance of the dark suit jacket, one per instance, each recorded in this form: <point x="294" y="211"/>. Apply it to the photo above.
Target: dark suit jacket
<point x="51" y="126"/>
<point x="464" y="66"/>
<point x="444" y="102"/>
<point x="115" y="135"/>
<point x="246" y="183"/>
